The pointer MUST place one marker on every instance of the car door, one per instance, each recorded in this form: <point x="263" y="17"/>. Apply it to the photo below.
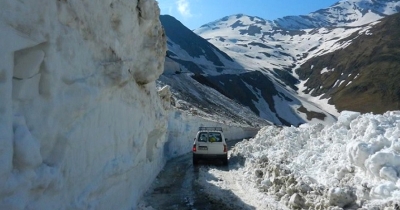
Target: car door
<point x="215" y="143"/>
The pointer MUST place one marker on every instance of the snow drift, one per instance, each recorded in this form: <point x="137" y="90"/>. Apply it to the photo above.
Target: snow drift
<point x="351" y="164"/>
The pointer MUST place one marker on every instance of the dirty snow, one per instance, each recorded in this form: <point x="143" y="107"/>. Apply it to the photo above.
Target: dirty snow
<point x="353" y="163"/>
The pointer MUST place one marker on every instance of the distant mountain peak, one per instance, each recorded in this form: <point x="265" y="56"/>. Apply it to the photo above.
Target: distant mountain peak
<point x="342" y="13"/>
<point x="269" y="53"/>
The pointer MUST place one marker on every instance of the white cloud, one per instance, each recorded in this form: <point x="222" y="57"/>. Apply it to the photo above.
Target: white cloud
<point x="184" y="8"/>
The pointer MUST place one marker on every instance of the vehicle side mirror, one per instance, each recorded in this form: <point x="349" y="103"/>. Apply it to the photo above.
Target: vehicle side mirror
<point x="226" y="139"/>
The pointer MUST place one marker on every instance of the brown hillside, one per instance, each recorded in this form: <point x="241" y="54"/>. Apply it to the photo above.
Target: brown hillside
<point x="369" y="69"/>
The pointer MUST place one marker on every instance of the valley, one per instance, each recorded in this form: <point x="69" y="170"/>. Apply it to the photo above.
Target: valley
<point x="291" y="54"/>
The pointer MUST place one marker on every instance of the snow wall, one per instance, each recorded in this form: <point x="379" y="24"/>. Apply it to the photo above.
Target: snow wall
<point x="82" y="125"/>
<point x="181" y="135"/>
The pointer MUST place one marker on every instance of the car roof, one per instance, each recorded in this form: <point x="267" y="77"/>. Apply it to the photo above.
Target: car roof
<point x="218" y="129"/>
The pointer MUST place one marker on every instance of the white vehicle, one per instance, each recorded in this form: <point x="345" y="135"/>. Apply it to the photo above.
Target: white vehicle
<point x="210" y="143"/>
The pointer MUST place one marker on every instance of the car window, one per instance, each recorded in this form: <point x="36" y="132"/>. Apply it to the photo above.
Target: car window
<point x="203" y="137"/>
<point x="214" y="137"/>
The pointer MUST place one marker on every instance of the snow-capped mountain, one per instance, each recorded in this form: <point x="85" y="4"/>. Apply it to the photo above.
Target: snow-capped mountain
<point x="232" y="81"/>
<point x="84" y="126"/>
<point x="343" y="13"/>
<point x="283" y="42"/>
<point x="277" y="48"/>
<point x="193" y="52"/>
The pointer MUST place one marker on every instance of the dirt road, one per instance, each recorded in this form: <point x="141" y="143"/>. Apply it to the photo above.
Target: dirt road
<point x="177" y="187"/>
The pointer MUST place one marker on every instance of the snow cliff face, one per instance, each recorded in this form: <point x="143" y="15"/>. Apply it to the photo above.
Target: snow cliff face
<point x="81" y="122"/>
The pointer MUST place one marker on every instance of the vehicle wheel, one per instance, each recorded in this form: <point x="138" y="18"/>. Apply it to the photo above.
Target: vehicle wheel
<point x="195" y="160"/>
<point x="225" y="161"/>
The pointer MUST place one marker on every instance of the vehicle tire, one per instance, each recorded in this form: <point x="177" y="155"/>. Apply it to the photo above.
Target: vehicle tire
<point x="225" y="160"/>
<point x="195" y="160"/>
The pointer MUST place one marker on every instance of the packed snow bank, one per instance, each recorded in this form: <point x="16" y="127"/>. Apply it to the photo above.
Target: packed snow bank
<point x="353" y="163"/>
<point x="82" y="125"/>
<point x="183" y="127"/>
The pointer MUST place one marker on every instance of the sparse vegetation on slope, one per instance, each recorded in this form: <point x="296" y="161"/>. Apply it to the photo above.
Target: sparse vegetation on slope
<point x="364" y="76"/>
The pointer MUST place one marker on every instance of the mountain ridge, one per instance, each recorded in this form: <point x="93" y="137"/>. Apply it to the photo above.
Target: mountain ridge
<point x="338" y="14"/>
<point x="279" y="108"/>
<point x="367" y="83"/>
<point x="278" y="49"/>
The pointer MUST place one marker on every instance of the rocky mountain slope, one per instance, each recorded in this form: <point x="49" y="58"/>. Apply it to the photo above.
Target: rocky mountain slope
<point x="362" y="77"/>
<point x="186" y="46"/>
<point x="192" y="64"/>
<point x="277" y="48"/>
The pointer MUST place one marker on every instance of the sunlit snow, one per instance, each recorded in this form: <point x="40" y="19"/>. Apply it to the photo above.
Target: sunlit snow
<point x="84" y="126"/>
<point x="354" y="162"/>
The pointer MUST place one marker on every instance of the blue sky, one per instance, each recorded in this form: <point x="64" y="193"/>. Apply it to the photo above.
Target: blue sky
<point x="194" y="13"/>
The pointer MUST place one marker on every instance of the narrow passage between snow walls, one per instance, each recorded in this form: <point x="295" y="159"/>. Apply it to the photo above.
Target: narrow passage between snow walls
<point x="82" y="123"/>
<point x="352" y="164"/>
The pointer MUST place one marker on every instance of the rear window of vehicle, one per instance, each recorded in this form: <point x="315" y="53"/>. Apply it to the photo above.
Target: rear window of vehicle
<point x="214" y="137"/>
<point x="203" y="137"/>
<point x="210" y="137"/>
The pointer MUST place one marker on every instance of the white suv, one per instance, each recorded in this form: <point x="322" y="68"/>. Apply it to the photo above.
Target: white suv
<point x="210" y="144"/>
